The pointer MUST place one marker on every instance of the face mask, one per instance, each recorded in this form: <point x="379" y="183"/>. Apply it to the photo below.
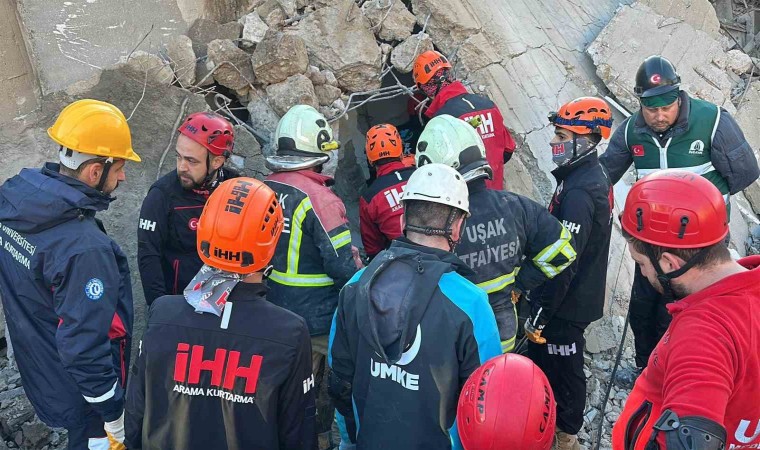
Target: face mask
<point x="562" y="152"/>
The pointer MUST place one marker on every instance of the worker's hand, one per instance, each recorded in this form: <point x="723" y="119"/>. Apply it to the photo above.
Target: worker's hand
<point x="115" y="432"/>
<point x="516" y="294"/>
<point x="357" y="257"/>
<point x="532" y="333"/>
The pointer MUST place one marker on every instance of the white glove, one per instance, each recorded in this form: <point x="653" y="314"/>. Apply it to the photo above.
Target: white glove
<point x="115" y="429"/>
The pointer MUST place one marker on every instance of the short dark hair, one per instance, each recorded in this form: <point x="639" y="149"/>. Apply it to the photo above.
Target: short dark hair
<point x="428" y="214"/>
<point x="716" y="253"/>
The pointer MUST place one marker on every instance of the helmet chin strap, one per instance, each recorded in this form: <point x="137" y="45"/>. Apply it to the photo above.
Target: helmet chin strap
<point x="445" y="232"/>
<point x="104" y="176"/>
<point x="209" y="182"/>
<point x="666" y="279"/>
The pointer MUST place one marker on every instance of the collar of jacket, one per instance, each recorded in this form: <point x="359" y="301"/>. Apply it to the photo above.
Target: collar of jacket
<point x="476" y="186"/>
<point x="588" y="160"/>
<point x="454" y="89"/>
<point x="678" y="128"/>
<point x="459" y="266"/>
<point x="248" y="292"/>
<point x="98" y="201"/>
<point x="736" y="282"/>
<point x="324" y="180"/>
<point x="385" y="169"/>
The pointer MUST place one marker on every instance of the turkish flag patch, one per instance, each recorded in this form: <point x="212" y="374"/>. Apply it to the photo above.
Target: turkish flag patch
<point x="638" y="150"/>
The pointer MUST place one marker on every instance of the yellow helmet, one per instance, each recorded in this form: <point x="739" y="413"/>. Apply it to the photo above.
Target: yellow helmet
<point x="96" y="128"/>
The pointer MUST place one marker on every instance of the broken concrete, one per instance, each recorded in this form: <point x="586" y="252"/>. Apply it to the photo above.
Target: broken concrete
<point x="390" y="19"/>
<point x="475" y="53"/>
<point x="272" y="13"/>
<point x="279" y="56"/>
<point x="617" y="54"/>
<point x="263" y="118"/>
<point x="296" y="90"/>
<point x="179" y="50"/>
<point x="338" y="38"/>
<point x="327" y="94"/>
<point x="450" y="22"/>
<point x="203" y="31"/>
<point x="700" y="14"/>
<point x="404" y="54"/>
<point x="738" y="61"/>
<point x="316" y="76"/>
<point x="248" y="157"/>
<point x="19" y="91"/>
<point x="233" y="65"/>
<point x="254" y="29"/>
<point x="152" y="66"/>
<point x="748" y="116"/>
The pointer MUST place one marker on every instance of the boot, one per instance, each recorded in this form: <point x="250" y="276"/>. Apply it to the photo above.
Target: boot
<point x="626" y="378"/>
<point x="564" y="441"/>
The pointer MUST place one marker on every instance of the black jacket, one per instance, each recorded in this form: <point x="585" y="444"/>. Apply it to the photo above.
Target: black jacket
<point x="184" y="394"/>
<point x="583" y="202"/>
<point x="408" y="332"/>
<point x="166" y="252"/>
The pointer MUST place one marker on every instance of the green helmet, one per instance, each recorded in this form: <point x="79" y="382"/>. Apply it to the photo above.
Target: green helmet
<point x="303" y="139"/>
<point x="454" y="142"/>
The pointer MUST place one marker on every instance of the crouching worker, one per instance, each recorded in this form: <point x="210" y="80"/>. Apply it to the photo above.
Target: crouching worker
<point x="220" y="366"/>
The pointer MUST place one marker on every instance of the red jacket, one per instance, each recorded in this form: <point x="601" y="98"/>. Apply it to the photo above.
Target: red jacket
<point x="454" y="100"/>
<point x="380" y="209"/>
<point x="706" y="364"/>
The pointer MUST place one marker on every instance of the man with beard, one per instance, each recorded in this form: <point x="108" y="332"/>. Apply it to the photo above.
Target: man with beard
<point x="65" y="284"/>
<point x="169" y="216"/>
<point x="699" y="390"/>
<point x="673" y="130"/>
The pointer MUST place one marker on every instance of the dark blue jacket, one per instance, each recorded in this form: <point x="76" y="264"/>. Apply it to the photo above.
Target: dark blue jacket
<point x="408" y="332"/>
<point x="67" y="296"/>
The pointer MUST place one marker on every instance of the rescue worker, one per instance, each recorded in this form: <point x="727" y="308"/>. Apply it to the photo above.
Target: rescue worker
<point x="380" y="205"/>
<point x="314" y="258"/>
<point x="491" y="415"/>
<point x="432" y="75"/>
<point x="502" y="229"/>
<point x="410" y="329"/>
<point x="564" y="306"/>
<point x="699" y="390"/>
<point x="169" y="215"/>
<point x="220" y="367"/>
<point x="65" y="285"/>
<point x="673" y="130"/>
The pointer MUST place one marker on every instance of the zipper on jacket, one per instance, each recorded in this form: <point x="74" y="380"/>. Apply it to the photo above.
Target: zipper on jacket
<point x="176" y="275"/>
<point x="122" y="358"/>
<point x="644" y="410"/>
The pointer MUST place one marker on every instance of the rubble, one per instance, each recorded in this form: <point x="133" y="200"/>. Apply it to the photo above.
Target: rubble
<point x="254" y="28"/>
<point x="327" y="94"/>
<point x="262" y="117"/>
<point x="404" y="54"/>
<point x="152" y="65"/>
<point x="233" y="65"/>
<point x="279" y="56"/>
<point x="316" y="76"/>
<point x="738" y="61"/>
<point x="203" y="31"/>
<point x="474" y="53"/>
<point x="604" y="334"/>
<point x="179" y="49"/>
<point x="248" y="157"/>
<point x="449" y="24"/>
<point x="700" y="14"/>
<point x="272" y="13"/>
<point x="345" y="47"/>
<point x="390" y="19"/>
<point x="748" y="116"/>
<point x="296" y="90"/>
<point x="617" y="55"/>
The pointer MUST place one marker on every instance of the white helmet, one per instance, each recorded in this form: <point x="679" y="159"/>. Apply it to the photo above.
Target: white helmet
<point x="438" y="183"/>
<point x="303" y="139"/>
<point x="456" y="143"/>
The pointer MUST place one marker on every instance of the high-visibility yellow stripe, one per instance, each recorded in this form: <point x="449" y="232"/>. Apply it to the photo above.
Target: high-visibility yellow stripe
<point x="296" y="233"/>
<point x="301" y="280"/>
<point x="341" y="239"/>
<point x="561" y="246"/>
<point x="498" y="283"/>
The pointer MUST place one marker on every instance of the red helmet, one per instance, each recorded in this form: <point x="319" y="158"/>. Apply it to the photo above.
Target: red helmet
<point x="493" y="415"/>
<point x="211" y="131"/>
<point x="676" y="209"/>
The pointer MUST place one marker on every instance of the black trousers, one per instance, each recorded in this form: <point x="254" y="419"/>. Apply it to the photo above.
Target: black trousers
<point x="648" y="317"/>
<point x="561" y="359"/>
<point x="91" y="428"/>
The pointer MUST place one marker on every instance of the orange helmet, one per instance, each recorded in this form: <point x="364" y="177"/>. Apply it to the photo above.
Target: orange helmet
<point x="239" y="226"/>
<point x="585" y="115"/>
<point x="427" y="64"/>
<point x="383" y="141"/>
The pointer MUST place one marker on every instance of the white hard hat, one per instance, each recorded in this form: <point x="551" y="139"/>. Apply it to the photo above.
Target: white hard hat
<point x="454" y="142"/>
<point x="438" y="183"/>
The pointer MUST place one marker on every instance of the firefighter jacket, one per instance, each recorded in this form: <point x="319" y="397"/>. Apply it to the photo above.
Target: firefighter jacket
<point x="166" y="244"/>
<point x="583" y="201"/>
<point x="380" y="207"/>
<point x="67" y="296"/>
<point x="234" y="382"/>
<point x="705" y="139"/>
<point x="503" y="228"/>
<point x="408" y="332"/>
<point x="454" y="100"/>
<point x="706" y="365"/>
<point x="313" y="258"/>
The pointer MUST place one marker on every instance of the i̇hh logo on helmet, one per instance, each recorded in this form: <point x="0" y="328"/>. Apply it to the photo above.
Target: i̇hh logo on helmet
<point x="94" y="289"/>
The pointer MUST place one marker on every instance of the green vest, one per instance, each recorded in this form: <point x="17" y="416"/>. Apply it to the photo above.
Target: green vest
<point x="689" y="151"/>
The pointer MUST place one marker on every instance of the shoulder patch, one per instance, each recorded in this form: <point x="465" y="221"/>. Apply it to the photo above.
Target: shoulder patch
<point x="94" y="289"/>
